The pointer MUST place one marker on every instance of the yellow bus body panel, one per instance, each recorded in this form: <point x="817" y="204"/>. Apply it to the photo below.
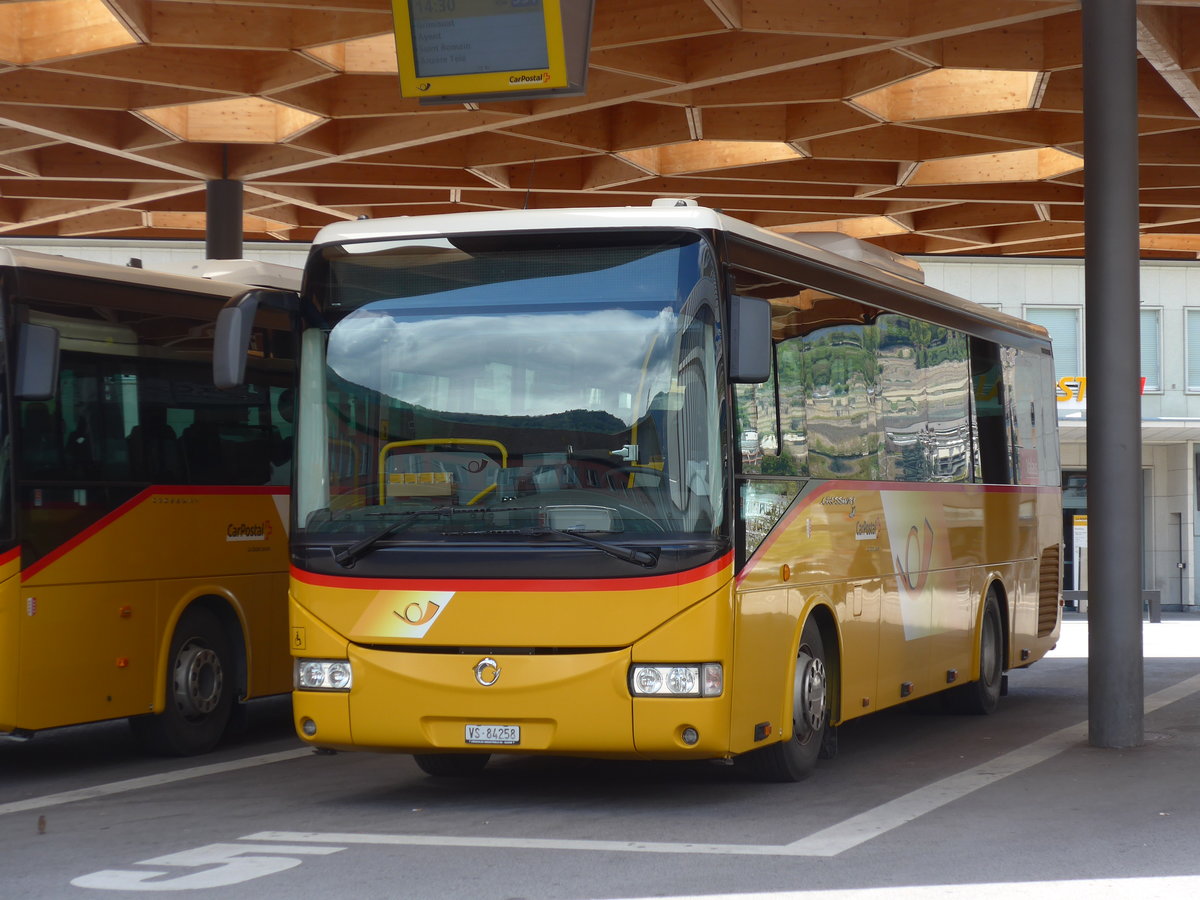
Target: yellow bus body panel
<point x="90" y="624"/>
<point x="904" y="571"/>
<point x="10" y="590"/>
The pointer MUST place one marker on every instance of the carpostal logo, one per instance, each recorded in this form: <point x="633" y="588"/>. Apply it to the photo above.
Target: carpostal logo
<point x="866" y="531"/>
<point x="258" y="531"/>
<point x="529" y="78"/>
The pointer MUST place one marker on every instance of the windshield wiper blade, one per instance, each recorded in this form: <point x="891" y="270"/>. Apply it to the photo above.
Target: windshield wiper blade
<point x="347" y="556"/>
<point x="643" y="558"/>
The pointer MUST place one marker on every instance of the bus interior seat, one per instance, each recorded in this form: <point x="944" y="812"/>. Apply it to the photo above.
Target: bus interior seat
<point x="221" y="449"/>
<point x="154" y="452"/>
<point x="245" y="453"/>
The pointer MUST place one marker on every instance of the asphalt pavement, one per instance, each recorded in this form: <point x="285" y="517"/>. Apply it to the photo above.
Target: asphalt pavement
<point x="917" y="804"/>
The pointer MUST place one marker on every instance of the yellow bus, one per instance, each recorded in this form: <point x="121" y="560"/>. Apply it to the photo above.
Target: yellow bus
<point x="143" y="549"/>
<point x="653" y="483"/>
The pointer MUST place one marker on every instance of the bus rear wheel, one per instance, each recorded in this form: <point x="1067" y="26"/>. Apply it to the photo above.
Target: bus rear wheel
<point x="982" y="696"/>
<point x="451" y="765"/>
<point x="794" y="759"/>
<point x="199" y="689"/>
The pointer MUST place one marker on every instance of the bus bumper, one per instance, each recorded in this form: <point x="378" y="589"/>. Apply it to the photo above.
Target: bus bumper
<point x="562" y="704"/>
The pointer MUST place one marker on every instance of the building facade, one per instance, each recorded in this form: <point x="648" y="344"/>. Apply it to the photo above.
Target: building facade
<point x="1051" y="293"/>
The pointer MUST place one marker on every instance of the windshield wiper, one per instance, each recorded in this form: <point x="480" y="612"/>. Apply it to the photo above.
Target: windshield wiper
<point x="643" y="558"/>
<point x="347" y="556"/>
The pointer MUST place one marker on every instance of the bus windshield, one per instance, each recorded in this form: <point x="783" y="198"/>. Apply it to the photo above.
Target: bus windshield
<point x="471" y="388"/>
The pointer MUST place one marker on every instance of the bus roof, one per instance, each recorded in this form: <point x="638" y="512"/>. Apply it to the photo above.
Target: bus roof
<point x="194" y="282"/>
<point x="663" y="213"/>
<point x="831" y="249"/>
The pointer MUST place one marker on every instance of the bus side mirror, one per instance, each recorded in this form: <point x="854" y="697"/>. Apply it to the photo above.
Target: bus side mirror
<point x="749" y="340"/>
<point x="231" y="342"/>
<point x="235" y="323"/>
<point x="36" y="377"/>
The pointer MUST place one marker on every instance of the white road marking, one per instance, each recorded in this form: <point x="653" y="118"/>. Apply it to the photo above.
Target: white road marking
<point x="832" y="841"/>
<point x="1167" y="695"/>
<point x="891" y="815"/>
<point x="436" y="840"/>
<point x="149" y="781"/>
<point x="232" y="866"/>
<point x="1155" y="888"/>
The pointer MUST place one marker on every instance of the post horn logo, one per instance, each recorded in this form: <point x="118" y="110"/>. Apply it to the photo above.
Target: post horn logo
<point x="414" y="615"/>
<point x="487" y="671"/>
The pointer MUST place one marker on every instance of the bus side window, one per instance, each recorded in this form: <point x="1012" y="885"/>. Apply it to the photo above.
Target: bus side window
<point x="991" y="424"/>
<point x="282" y="433"/>
<point x="843" y="434"/>
<point x="41" y="441"/>
<point x="756" y="420"/>
<point x="790" y="366"/>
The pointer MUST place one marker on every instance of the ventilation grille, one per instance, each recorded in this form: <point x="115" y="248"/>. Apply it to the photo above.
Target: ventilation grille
<point x="1049" y="579"/>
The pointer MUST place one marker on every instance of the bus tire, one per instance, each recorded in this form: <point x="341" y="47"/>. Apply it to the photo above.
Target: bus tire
<point x="200" y="688"/>
<point x="981" y="696"/>
<point x="794" y="759"/>
<point x="451" y="765"/>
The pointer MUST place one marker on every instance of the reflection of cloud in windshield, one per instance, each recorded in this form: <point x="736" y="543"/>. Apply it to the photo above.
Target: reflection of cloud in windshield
<point x="561" y="359"/>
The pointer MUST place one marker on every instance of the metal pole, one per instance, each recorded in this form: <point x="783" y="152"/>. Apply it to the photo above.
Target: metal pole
<point x="1115" y="704"/>
<point x="223" y="229"/>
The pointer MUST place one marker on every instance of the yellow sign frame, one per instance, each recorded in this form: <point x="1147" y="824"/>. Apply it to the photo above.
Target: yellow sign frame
<point x="480" y="84"/>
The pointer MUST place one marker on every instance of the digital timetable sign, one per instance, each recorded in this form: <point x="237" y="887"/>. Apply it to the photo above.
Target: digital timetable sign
<point x="478" y="48"/>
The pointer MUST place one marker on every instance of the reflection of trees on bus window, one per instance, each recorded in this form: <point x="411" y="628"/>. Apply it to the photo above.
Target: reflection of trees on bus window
<point x="867" y="394"/>
<point x="843" y="435"/>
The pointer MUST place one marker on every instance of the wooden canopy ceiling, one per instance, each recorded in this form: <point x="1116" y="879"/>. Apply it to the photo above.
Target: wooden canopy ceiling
<point x="927" y="126"/>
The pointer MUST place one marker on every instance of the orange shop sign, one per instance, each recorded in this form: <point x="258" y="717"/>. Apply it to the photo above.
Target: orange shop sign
<point x="1072" y="389"/>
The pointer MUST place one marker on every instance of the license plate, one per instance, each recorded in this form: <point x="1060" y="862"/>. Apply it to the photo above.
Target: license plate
<point x="493" y="734"/>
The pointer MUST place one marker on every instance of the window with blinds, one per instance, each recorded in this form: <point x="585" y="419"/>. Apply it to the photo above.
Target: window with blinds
<point x="1063" y="324"/>
<point x="1192" y="324"/>
<point x="1151" y="348"/>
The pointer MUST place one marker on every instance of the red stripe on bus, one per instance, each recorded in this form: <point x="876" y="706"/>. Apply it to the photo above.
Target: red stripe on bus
<point x="136" y="500"/>
<point x="10" y="555"/>
<point x="648" y="582"/>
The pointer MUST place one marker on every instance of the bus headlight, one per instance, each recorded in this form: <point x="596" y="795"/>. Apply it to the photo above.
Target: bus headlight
<point x="677" y="680"/>
<point x="323" y="675"/>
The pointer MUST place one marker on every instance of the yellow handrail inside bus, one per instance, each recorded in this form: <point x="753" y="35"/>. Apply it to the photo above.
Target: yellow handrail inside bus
<point x="487" y="490"/>
<point x="477" y="442"/>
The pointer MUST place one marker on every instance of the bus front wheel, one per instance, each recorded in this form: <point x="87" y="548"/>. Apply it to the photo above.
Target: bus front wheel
<point x="200" y="689"/>
<point x="451" y="765"/>
<point x="794" y="759"/>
